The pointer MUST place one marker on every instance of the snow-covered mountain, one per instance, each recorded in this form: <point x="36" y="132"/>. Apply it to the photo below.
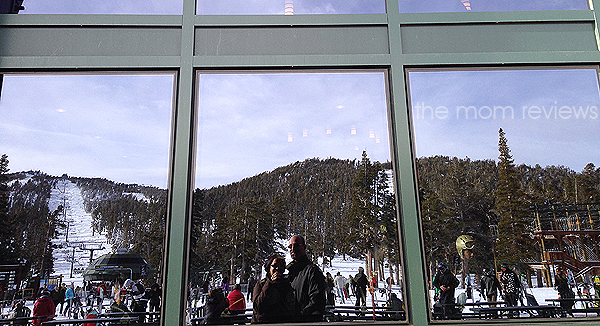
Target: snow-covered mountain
<point x="76" y="240"/>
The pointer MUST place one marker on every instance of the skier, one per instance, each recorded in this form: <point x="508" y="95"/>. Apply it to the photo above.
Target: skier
<point x="446" y="282"/>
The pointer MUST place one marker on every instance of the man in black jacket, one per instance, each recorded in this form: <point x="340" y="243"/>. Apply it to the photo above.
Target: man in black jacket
<point x="490" y="286"/>
<point x="307" y="280"/>
<point x="361" y="288"/>
<point x="446" y="282"/>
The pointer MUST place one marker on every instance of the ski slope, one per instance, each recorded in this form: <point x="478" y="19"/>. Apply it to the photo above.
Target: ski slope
<point x="70" y="256"/>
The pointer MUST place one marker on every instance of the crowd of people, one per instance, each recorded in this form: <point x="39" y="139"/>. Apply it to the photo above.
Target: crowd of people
<point x="72" y="301"/>
<point x="506" y="285"/>
<point x="294" y="292"/>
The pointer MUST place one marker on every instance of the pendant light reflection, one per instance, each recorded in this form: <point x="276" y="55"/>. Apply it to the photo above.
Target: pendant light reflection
<point x="466" y="3"/>
<point x="289" y="7"/>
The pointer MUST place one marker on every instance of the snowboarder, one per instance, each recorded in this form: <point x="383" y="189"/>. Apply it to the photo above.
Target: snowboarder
<point x="511" y="286"/>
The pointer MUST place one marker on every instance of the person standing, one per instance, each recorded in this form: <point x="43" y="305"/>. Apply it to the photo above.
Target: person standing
<point x="339" y="282"/>
<point x="251" y="285"/>
<point x="564" y="291"/>
<point x="43" y="307"/>
<point x="360" y="288"/>
<point x="69" y="297"/>
<point x="307" y="280"/>
<point x="490" y="286"/>
<point x="273" y="299"/>
<point x="511" y="285"/>
<point x="329" y="286"/>
<point x="61" y="297"/>
<point x="446" y="282"/>
<point x="153" y="297"/>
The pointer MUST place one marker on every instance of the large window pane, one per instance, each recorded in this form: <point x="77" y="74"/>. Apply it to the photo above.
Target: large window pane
<point x="281" y="154"/>
<point x="290" y="7"/>
<point x="507" y="175"/>
<point x="131" y="7"/>
<point x="417" y="6"/>
<point x="85" y="170"/>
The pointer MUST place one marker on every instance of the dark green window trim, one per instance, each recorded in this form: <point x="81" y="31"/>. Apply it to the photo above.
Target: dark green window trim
<point x="398" y="41"/>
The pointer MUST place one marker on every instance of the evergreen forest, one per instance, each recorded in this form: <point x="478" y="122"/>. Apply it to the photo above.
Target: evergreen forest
<point x="341" y="207"/>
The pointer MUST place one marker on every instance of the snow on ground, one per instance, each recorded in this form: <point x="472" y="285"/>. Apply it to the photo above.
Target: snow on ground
<point x="80" y="233"/>
<point x="71" y="242"/>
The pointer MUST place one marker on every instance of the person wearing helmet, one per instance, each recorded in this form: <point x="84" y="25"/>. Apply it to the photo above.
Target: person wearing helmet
<point x="564" y="291"/>
<point x="490" y="286"/>
<point x="446" y="282"/>
<point x="511" y="285"/>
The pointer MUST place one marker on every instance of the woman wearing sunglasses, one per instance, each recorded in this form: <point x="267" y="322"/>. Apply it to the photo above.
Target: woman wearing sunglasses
<point x="273" y="297"/>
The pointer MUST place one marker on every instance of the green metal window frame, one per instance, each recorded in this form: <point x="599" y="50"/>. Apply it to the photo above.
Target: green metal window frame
<point x="189" y="43"/>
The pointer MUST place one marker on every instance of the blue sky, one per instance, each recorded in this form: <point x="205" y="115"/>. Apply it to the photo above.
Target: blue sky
<point x="554" y="120"/>
<point x="110" y="126"/>
<point x="256" y="122"/>
<point x="118" y="126"/>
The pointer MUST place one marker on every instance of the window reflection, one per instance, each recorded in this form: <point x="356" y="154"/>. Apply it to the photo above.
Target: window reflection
<point x="290" y="7"/>
<point x="285" y="154"/>
<point x="131" y="7"/>
<point x="508" y="182"/>
<point x="83" y="177"/>
<point x="416" y="6"/>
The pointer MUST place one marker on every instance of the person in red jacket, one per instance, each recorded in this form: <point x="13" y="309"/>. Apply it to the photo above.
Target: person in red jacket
<point x="237" y="304"/>
<point x="44" y="306"/>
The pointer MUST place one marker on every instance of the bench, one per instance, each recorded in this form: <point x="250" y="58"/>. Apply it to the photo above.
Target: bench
<point x="350" y="313"/>
<point x="22" y="320"/>
<point x="97" y="321"/>
<point x="515" y="312"/>
<point x="585" y="310"/>
<point x="241" y="319"/>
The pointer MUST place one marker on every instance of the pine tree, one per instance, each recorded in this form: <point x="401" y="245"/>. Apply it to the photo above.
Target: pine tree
<point x="513" y="244"/>
<point x="365" y="219"/>
<point x="8" y="244"/>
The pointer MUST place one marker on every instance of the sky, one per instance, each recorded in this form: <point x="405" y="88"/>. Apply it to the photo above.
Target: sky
<point x="277" y="7"/>
<point x="109" y="126"/>
<point x="550" y="116"/>
<point x="118" y="126"/>
<point x="251" y="123"/>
